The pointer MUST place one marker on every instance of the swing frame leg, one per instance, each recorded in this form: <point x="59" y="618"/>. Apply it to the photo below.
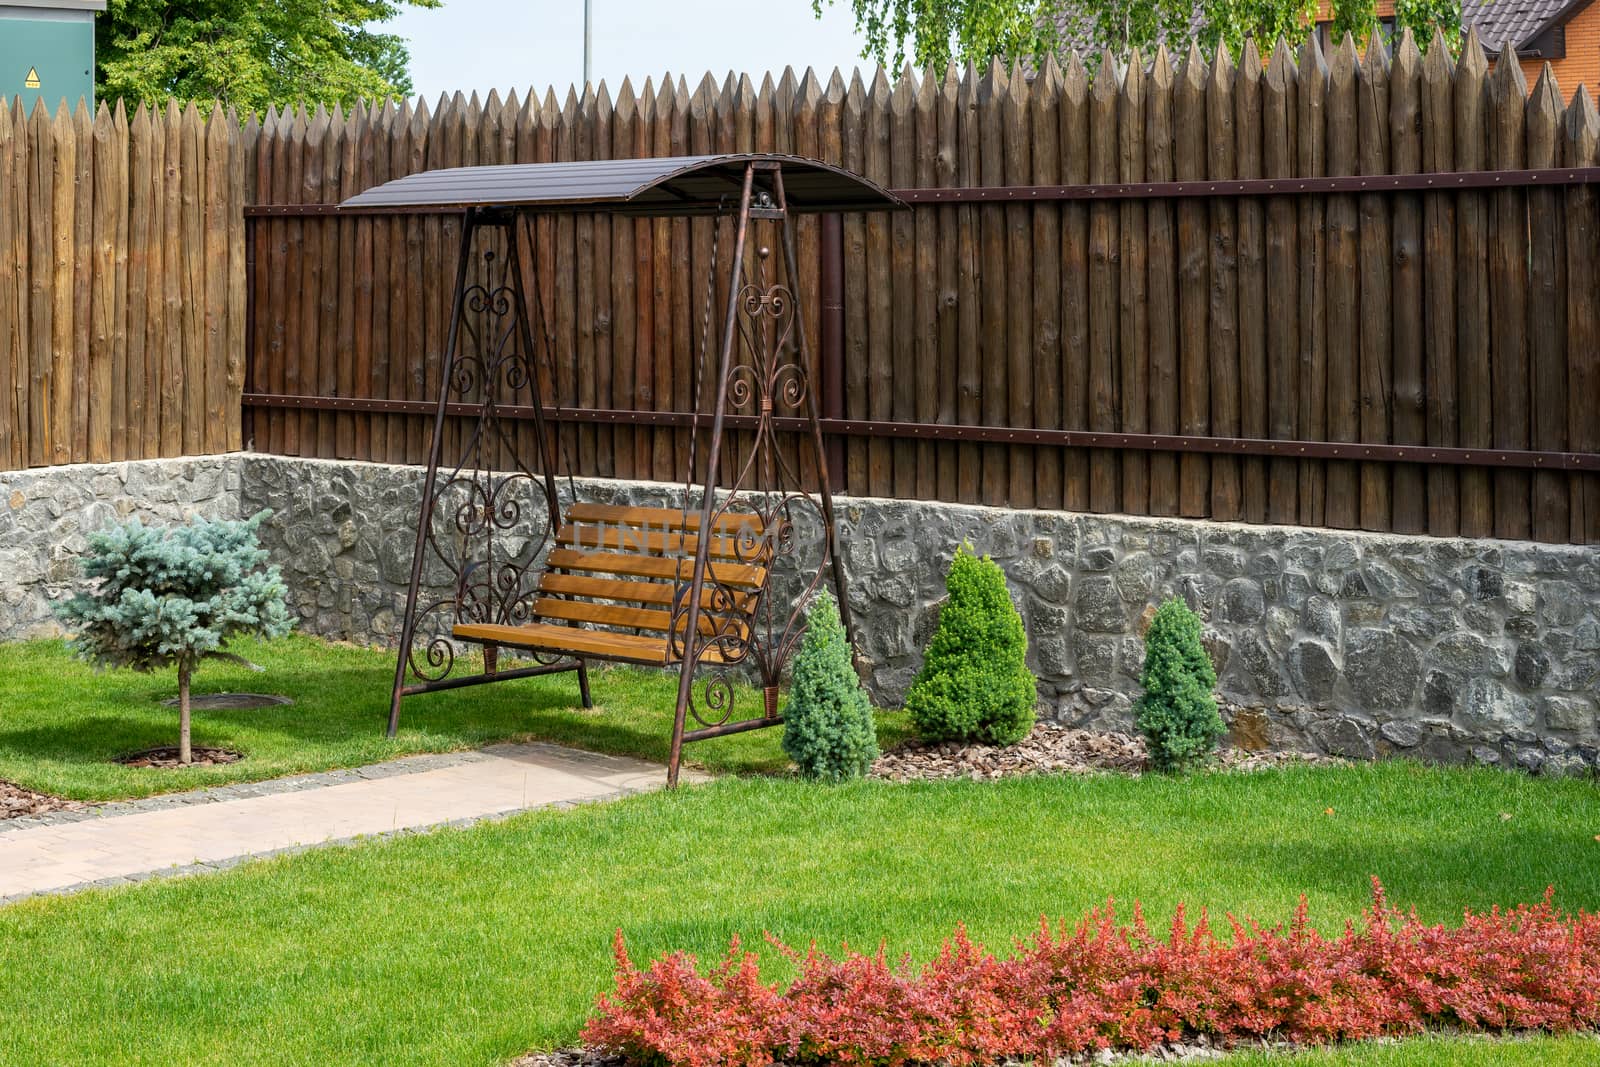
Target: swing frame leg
<point x="583" y="684"/>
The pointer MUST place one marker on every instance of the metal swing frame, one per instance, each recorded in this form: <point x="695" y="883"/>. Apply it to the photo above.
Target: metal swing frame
<point x="506" y="569"/>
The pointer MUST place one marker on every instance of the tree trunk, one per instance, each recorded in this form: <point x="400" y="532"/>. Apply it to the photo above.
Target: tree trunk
<point x="184" y="756"/>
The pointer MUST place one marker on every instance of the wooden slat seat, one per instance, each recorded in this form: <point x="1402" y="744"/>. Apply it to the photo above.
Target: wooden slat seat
<point x="613" y="575"/>
<point x="575" y="641"/>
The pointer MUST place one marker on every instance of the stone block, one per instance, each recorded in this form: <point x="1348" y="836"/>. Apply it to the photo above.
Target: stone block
<point x="1314" y="670"/>
<point x="1468" y="653"/>
<point x="1383" y="669"/>
<point x="1098" y="605"/>
<point x="1571" y="713"/>
<point x="1486" y="708"/>
<point x="1242" y="601"/>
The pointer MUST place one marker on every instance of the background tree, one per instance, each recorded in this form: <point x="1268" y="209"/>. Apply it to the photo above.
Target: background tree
<point x="1358" y="18"/>
<point x="1123" y="27"/>
<point x="1425" y="17"/>
<point x="977" y="31"/>
<point x="941" y="30"/>
<point x="249" y="53"/>
<point x="173" y="597"/>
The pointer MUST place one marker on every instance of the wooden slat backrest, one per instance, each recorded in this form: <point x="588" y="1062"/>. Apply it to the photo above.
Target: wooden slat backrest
<point x="662" y="518"/>
<point x="615" y="568"/>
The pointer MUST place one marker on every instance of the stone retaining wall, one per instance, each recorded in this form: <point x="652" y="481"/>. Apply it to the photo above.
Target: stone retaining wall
<point x="1349" y="643"/>
<point x="45" y="513"/>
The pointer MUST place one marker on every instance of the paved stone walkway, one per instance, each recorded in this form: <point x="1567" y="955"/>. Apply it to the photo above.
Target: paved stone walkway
<point x="216" y="828"/>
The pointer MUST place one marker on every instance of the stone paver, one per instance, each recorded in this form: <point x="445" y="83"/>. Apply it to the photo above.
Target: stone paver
<point x="179" y="837"/>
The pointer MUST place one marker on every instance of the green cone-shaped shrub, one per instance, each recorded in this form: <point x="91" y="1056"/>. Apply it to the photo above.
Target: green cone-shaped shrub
<point x="975" y="684"/>
<point x="827" y="725"/>
<point x="1177" y="712"/>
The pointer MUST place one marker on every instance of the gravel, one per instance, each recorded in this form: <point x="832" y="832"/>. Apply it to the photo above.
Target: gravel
<point x="1053" y="749"/>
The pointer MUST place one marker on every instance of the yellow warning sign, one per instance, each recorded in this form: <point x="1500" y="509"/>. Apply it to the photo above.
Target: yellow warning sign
<point x="32" y="80"/>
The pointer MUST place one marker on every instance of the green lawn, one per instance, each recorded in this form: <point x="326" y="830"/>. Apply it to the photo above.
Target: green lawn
<point x="467" y="947"/>
<point x="62" y="723"/>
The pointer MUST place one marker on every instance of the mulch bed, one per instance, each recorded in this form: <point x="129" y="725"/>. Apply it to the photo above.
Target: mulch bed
<point x="586" y="1057"/>
<point x="166" y="757"/>
<point x="1053" y="749"/>
<point x="16" y="802"/>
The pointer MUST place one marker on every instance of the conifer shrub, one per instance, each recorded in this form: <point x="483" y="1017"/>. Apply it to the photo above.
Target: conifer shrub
<point x="827" y="725"/>
<point x="1178" y="711"/>
<point x="975" y="684"/>
<point x="171" y="597"/>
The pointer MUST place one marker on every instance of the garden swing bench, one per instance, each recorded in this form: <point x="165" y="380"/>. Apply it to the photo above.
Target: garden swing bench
<point x="499" y="563"/>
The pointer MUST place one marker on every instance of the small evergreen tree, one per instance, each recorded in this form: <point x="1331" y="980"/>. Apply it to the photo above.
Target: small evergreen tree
<point x="1177" y="712"/>
<point x="827" y="725"/>
<point x="172" y="597"/>
<point x="975" y="684"/>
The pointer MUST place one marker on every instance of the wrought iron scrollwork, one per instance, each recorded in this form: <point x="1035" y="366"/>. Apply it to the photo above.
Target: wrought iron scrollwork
<point x="775" y="523"/>
<point x="490" y="517"/>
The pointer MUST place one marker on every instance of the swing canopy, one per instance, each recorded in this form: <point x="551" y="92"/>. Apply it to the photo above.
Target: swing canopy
<point x="667" y="186"/>
<point x="500" y="562"/>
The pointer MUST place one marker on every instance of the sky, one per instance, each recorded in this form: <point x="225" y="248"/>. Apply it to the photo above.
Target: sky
<point x="478" y="45"/>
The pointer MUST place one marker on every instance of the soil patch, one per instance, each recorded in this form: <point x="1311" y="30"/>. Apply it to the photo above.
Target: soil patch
<point x="1053" y="749"/>
<point x="167" y="756"/>
<point x="15" y="802"/>
<point x="231" y="701"/>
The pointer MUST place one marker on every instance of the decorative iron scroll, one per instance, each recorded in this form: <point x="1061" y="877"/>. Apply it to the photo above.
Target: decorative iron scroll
<point x="776" y="523"/>
<point x="491" y="514"/>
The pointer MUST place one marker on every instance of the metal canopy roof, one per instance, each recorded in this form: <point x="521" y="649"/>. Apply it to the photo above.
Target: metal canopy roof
<point x="670" y="185"/>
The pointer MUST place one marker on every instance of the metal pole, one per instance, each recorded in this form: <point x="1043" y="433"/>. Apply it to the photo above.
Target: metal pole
<point x="708" y="500"/>
<point x="408" y="625"/>
<point x="588" y="34"/>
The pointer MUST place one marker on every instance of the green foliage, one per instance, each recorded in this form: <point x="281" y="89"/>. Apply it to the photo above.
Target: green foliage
<point x="250" y="54"/>
<point x="1425" y="18"/>
<point x="1122" y="27"/>
<point x="1177" y="712"/>
<point x="975" y="684"/>
<point x="827" y="724"/>
<point x="169" y="597"/>
<point x="1358" y="18"/>
<point x="980" y="30"/>
<point x="1232" y="22"/>
<point x="943" y="30"/>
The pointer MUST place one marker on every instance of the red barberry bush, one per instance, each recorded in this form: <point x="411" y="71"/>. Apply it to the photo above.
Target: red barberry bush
<point x="1110" y="983"/>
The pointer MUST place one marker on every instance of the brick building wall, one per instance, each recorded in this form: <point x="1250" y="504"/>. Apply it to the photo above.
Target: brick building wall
<point x="1580" y="65"/>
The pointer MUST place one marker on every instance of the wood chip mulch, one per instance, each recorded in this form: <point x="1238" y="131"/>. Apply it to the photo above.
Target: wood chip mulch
<point x="15" y="802"/>
<point x="166" y="757"/>
<point x="1052" y="749"/>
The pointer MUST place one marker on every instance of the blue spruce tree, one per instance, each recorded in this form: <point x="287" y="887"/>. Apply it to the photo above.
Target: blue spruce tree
<point x="172" y="597"/>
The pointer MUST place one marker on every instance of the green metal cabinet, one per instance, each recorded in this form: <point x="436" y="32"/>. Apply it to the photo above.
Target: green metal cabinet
<point x="47" y="50"/>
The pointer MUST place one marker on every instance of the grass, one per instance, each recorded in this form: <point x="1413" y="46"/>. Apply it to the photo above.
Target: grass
<point x="62" y="723"/>
<point x="468" y="947"/>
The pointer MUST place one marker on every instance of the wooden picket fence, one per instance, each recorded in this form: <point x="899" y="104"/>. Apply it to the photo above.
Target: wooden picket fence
<point x="1452" y="318"/>
<point x="122" y="311"/>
